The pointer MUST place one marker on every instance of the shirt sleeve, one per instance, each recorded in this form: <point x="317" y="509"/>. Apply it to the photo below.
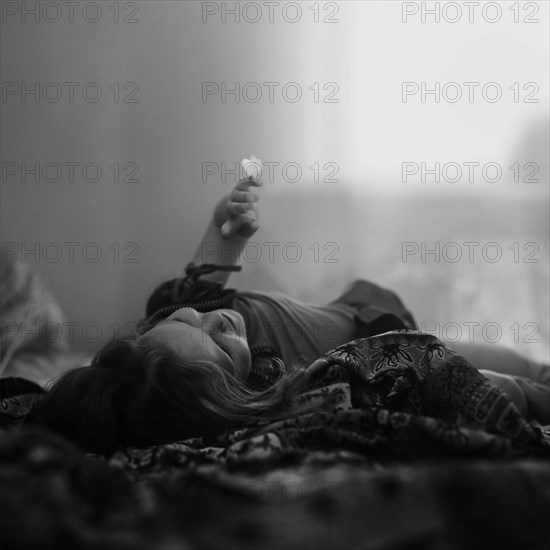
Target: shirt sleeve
<point x="378" y="309"/>
<point x="185" y="292"/>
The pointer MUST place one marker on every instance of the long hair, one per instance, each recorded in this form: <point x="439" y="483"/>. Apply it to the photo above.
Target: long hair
<point x="140" y="393"/>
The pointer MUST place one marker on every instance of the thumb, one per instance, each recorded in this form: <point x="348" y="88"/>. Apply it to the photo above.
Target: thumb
<point x="249" y="228"/>
<point x="226" y="229"/>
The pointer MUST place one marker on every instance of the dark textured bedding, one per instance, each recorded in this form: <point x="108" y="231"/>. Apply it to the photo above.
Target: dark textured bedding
<point x="415" y="450"/>
<point x="53" y="497"/>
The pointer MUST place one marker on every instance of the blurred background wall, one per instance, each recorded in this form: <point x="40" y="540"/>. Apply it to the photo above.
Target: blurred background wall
<point x="350" y="213"/>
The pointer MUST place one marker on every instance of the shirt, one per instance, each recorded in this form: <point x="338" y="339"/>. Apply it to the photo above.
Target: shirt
<point x="284" y="331"/>
<point x="299" y="332"/>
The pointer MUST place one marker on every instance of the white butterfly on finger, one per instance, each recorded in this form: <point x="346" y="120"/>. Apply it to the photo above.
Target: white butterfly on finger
<point x="252" y="168"/>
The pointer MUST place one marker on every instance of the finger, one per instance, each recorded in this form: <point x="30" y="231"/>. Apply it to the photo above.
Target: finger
<point x="316" y="367"/>
<point x="235" y="209"/>
<point x="243" y="196"/>
<point x="232" y="226"/>
<point x="241" y="224"/>
<point x="225" y="229"/>
<point x="249" y="228"/>
<point x="246" y="183"/>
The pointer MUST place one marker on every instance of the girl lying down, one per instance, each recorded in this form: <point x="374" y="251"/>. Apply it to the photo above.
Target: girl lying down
<point x="207" y="359"/>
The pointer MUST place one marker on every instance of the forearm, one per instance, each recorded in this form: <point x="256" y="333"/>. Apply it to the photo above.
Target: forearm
<point x="502" y="360"/>
<point x="214" y="249"/>
<point x="233" y="223"/>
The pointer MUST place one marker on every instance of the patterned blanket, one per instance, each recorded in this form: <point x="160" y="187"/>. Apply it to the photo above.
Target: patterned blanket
<point x="409" y="446"/>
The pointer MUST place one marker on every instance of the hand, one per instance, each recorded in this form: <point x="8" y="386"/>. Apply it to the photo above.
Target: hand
<point x="236" y="213"/>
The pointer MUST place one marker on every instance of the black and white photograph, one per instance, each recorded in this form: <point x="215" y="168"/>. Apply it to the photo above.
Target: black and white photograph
<point x="275" y="275"/>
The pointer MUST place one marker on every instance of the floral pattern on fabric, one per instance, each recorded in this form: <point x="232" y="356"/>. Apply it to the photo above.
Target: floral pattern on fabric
<point x="397" y="397"/>
<point x="407" y="438"/>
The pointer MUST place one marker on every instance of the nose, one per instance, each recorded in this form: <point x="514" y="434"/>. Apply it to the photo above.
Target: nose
<point x="214" y="320"/>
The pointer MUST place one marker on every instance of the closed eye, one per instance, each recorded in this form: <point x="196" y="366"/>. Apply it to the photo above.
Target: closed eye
<point x="225" y="349"/>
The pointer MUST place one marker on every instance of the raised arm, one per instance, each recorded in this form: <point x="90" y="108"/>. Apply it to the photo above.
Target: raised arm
<point x="234" y="221"/>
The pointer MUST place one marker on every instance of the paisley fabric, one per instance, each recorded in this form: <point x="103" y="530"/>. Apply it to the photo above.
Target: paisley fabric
<point x="397" y="397"/>
<point x="54" y="497"/>
<point x="404" y="445"/>
<point x="17" y="396"/>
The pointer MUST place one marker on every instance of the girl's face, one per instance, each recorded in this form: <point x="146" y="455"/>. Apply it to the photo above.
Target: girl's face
<point x="218" y="336"/>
